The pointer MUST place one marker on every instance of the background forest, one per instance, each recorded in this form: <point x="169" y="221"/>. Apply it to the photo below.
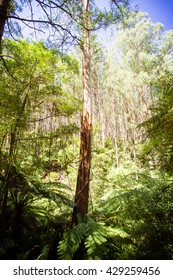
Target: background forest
<point x="130" y="210"/>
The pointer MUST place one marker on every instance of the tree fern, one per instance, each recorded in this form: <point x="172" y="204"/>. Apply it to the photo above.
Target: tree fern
<point x="71" y="241"/>
<point x="95" y="236"/>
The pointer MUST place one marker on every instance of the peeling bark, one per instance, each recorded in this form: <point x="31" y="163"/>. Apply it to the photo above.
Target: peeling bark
<point x="83" y="177"/>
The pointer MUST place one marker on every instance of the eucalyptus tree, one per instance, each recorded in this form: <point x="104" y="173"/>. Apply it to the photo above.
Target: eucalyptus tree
<point x="71" y="22"/>
<point x="83" y="177"/>
<point x="141" y="53"/>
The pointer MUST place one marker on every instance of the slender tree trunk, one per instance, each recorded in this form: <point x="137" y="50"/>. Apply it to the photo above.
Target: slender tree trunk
<point x="83" y="177"/>
<point x="4" y="8"/>
<point x="8" y="171"/>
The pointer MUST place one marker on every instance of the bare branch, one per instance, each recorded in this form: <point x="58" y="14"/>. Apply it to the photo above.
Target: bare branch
<point x="48" y="22"/>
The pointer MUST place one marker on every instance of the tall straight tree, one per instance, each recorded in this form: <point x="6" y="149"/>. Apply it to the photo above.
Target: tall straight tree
<point x="83" y="177"/>
<point x="67" y="29"/>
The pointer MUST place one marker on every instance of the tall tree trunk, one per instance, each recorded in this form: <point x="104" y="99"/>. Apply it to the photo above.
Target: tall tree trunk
<point x="83" y="177"/>
<point x="4" y="9"/>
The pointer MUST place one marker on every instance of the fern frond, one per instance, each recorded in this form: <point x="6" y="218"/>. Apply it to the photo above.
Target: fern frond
<point x="95" y="236"/>
<point x="71" y="241"/>
<point x="44" y="253"/>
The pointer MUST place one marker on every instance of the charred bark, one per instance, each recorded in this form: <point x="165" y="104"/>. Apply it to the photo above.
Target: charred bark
<point x="83" y="177"/>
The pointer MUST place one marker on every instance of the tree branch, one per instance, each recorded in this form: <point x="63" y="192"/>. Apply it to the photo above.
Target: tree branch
<point x="48" y="22"/>
<point x="6" y="67"/>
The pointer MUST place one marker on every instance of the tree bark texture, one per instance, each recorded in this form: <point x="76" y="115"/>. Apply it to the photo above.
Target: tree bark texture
<point x="83" y="177"/>
<point x="4" y="9"/>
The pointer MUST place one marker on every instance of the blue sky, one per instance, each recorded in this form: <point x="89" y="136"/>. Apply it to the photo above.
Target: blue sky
<point x="158" y="10"/>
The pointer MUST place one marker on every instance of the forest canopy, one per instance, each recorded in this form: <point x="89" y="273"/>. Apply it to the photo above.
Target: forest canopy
<point x="86" y="153"/>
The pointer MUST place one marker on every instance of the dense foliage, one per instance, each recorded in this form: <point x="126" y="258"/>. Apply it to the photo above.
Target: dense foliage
<point x="131" y="198"/>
